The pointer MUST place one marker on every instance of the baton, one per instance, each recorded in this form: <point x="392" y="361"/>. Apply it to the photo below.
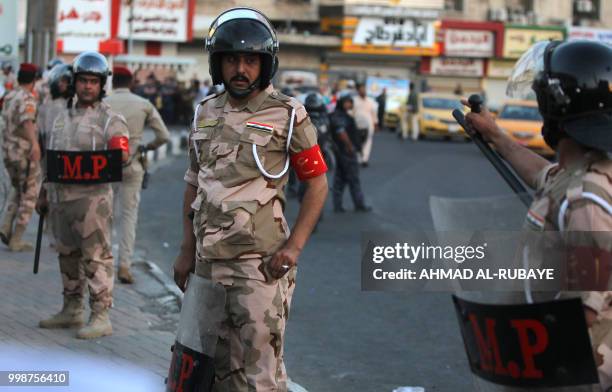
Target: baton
<point x="41" y="221"/>
<point x="511" y="179"/>
<point x="24" y="188"/>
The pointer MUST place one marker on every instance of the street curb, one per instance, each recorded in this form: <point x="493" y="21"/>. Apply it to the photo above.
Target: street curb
<point x="293" y="387"/>
<point x="164" y="279"/>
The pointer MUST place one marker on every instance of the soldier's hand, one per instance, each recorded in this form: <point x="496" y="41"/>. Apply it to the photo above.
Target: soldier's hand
<point x="35" y="152"/>
<point x="283" y="260"/>
<point x="483" y="123"/>
<point x="183" y="265"/>
<point x="42" y="205"/>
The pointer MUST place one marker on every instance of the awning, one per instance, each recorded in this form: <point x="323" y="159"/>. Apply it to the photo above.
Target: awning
<point x="170" y="62"/>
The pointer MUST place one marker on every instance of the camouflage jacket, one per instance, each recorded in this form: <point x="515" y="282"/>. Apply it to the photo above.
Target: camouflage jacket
<point x="19" y="106"/>
<point x="239" y="211"/>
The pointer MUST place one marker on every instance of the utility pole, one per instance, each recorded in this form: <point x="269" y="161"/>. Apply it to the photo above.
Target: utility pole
<point x="40" y="35"/>
<point x="131" y="23"/>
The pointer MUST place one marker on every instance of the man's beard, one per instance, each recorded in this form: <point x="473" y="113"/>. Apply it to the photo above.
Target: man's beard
<point x="240" y="93"/>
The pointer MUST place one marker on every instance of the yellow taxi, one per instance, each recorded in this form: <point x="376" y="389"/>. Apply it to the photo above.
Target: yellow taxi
<point x="435" y="117"/>
<point x="522" y="121"/>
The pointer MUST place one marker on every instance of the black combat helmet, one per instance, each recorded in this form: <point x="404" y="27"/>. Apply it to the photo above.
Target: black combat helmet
<point x="54" y="62"/>
<point x="242" y="30"/>
<point x="314" y="103"/>
<point x="572" y="82"/>
<point x="58" y="73"/>
<point x="92" y="63"/>
<point x="575" y="90"/>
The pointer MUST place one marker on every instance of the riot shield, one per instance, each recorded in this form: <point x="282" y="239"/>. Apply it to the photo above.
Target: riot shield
<point x="527" y="346"/>
<point x="203" y="310"/>
<point x="498" y="213"/>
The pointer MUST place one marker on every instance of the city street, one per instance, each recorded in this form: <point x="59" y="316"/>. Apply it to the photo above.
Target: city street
<point x="340" y="338"/>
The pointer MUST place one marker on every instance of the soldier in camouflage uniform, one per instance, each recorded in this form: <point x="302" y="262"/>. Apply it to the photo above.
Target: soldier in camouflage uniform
<point x="574" y="196"/>
<point x="240" y="148"/>
<point x="81" y="214"/>
<point x="138" y="113"/>
<point x="21" y="153"/>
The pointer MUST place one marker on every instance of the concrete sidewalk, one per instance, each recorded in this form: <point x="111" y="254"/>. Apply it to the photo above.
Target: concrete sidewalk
<point x="144" y="315"/>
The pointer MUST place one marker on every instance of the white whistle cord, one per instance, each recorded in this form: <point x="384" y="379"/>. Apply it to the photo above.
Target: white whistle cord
<point x="258" y="162"/>
<point x="195" y="129"/>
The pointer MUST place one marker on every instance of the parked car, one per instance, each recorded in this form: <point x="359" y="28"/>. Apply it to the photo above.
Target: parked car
<point x="435" y="115"/>
<point x="522" y="121"/>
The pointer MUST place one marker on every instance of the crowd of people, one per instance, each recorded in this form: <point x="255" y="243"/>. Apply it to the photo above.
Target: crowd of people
<point x="175" y="100"/>
<point x="346" y="121"/>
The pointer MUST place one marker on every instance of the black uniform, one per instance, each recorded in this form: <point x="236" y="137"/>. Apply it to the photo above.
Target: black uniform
<point x="347" y="166"/>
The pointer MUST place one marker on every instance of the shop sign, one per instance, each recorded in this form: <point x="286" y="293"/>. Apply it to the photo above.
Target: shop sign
<point x="501" y="69"/>
<point x="518" y="40"/>
<point x="469" y="43"/>
<point x="155" y="20"/>
<point x="82" y="24"/>
<point x="590" y="34"/>
<point x="446" y="66"/>
<point x="9" y="45"/>
<point x="395" y="32"/>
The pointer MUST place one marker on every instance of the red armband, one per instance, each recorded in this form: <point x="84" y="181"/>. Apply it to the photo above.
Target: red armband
<point x="119" y="143"/>
<point x="309" y="163"/>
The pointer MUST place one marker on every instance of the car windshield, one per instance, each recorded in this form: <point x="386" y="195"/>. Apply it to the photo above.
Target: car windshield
<point x="519" y="112"/>
<point x="441" y="103"/>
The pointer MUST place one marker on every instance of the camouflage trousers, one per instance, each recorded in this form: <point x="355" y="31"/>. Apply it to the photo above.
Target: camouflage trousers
<point x="249" y="355"/>
<point x="82" y="233"/>
<point x="25" y="185"/>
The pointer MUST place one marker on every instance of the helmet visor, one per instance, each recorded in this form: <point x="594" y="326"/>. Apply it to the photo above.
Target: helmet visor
<point x="525" y="71"/>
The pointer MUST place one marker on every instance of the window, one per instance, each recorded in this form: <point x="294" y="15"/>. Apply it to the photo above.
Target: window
<point x="586" y="9"/>
<point x="453" y="5"/>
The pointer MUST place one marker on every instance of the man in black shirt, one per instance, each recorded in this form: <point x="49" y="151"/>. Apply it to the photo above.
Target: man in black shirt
<point x="348" y="142"/>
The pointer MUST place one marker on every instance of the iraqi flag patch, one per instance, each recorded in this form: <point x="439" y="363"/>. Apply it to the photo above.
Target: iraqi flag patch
<point x="260" y="126"/>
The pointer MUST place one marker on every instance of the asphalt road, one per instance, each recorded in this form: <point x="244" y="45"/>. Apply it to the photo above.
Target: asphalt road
<point x="340" y="338"/>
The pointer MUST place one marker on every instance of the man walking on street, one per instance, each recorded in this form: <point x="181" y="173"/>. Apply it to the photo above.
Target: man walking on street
<point x="79" y="204"/>
<point x="381" y="101"/>
<point x="139" y="113"/>
<point x="240" y="149"/>
<point x="347" y="139"/>
<point x="366" y="118"/>
<point x="21" y="153"/>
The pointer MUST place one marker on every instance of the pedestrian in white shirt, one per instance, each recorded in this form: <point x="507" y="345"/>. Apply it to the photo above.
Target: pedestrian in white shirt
<point x="366" y="119"/>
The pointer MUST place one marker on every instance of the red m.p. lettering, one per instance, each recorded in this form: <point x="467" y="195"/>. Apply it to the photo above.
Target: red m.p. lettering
<point x="529" y="350"/>
<point x="72" y="171"/>
<point x="488" y="347"/>
<point x="186" y="370"/>
<point x="99" y="162"/>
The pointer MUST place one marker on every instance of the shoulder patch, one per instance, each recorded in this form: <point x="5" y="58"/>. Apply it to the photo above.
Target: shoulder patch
<point x="208" y="98"/>
<point x="30" y="108"/>
<point x="280" y="96"/>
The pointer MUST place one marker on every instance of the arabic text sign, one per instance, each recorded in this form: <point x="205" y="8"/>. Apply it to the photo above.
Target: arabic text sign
<point x="457" y="67"/>
<point x="8" y="28"/>
<point x="155" y="20"/>
<point x="82" y="24"/>
<point x="518" y="40"/>
<point x="399" y="32"/>
<point x="468" y="43"/>
<point x="590" y="34"/>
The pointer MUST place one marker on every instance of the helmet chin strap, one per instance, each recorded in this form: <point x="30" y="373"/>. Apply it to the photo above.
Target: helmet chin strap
<point x="239" y="93"/>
